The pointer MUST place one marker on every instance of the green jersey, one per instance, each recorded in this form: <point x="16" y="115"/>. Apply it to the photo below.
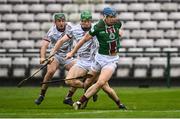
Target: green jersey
<point x="108" y="37"/>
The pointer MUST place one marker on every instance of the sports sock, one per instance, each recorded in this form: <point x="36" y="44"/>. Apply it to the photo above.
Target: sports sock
<point x="70" y="94"/>
<point x="118" y="102"/>
<point x="43" y="92"/>
<point x="83" y="99"/>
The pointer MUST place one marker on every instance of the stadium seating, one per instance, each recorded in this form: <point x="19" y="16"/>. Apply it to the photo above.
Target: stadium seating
<point x="5" y="65"/>
<point x="142" y="16"/>
<point x="70" y="8"/>
<point x="120" y="7"/>
<point x="3" y="1"/>
<point x="2" y="26"/>
<point x="20" y="35"/>
<point x="135" y="52"/>
<point x="34" y="65"/>
<point x="37" y="8"/>
<point x="74" y="17"/>
<point x="176" y="43"/>
<point x="152" y="7"/>
<point x="177" y="26"/>
<point x="53" y="8"/>
<point x="31" y="1"/>
<point x="14" y="1"/>
<point x="9" y="44"/>
<point x="5" y="8"/>
<point x="26" y="17"/>
<point x="24" y="44"/>
<point x="31" y="26"/>
<point x="36" y="35"/>
<point x="20" y="67"/>
<point x="47" y="1"/>
<point x="132" y="25"/>
<point x="152" y="52"/>
<point x="86" y="7"/>
<point x="155" y="34"/>
<point x="158" y="65"/>
<point x="145" y="43"/>
<point x="141" y="65"/>
<point x="138" y="34"/>
<point x="9" y="18"/>
<point x="136" y="7"/>
<point x="148" y="26"/>
<point x="128" y="43"/>
<point x="158" y="16"/>
<point x="124" y="67"/>
<point x="175" y="67"/>
<point x="21" y="8"/>
<point x="126" y="16"/>
<point x="45" y="26"/>
<point x="15" y="26"/>
<point x="43" y="17"/>
<point x="5" y="35"/>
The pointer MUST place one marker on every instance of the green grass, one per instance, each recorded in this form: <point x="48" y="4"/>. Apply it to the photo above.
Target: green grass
<point x="141" y="103"/>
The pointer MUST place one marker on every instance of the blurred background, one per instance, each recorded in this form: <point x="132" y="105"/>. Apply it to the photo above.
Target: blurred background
<point x="150" y="44"/>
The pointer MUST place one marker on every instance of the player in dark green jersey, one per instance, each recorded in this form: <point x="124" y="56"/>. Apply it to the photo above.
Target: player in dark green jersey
<point x="107" y="32"/>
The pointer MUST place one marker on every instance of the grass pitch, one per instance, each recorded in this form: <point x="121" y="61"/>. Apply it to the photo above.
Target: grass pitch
<point x="141" y="103"/>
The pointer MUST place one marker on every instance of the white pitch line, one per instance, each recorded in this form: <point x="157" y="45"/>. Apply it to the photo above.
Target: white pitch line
<point x="110" y="111"/>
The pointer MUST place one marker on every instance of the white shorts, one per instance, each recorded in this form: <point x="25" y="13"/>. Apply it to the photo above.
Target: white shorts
<point x="85" y="64"/>
<point x="104" y="61"/>
<point x="60" y="58"/>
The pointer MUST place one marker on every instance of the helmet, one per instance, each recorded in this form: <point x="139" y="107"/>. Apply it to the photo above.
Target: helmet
<point x="107" y="11"/>
<point x="86" y="15"/>
<point x="59" y="16"/>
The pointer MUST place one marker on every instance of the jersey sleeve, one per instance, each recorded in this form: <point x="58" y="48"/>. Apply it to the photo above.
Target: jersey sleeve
<point x="93" y="31"/>
<point x="69" y="33"/>
<point x="118" y="24"/>
<point x="48" y="34"/>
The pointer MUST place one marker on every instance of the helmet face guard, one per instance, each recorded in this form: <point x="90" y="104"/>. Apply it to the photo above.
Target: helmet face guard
<point x="107" y="11"/>
<point x="86" y="15"/>
<point x="57" y="16"/>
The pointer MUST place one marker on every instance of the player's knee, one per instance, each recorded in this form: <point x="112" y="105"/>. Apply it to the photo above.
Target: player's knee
<point x="87" y="84"/>
<point x="101" y="83"/>
<point x="68" y="82"/>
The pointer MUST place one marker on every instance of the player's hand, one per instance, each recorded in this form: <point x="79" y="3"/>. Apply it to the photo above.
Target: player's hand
<point x="42" y="60"/>
<point x="68" y="55"/>
<point x="51" y="60"/>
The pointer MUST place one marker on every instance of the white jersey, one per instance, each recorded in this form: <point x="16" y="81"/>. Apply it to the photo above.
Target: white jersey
<point x="88" y="48"/>
<point x="53" y="35"/>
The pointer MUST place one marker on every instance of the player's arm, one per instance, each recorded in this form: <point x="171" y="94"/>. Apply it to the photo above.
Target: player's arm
<point x="44" y="46"/>
<point x="120" y="32"/>
<point x="59" y="43"/>
<point x="86" y="37"/>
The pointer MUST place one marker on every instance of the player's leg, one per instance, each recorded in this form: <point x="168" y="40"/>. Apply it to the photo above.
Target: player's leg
<point x="104" y="77"/>
<point x="68" y="99"/>
<point x="90" y="81"/>
<point x="112" y="94"/>
<point x="87" y="83"/>
<point x="75" y="71"/>
<point x="51" y="69"/>
<point x="74" y="83"/>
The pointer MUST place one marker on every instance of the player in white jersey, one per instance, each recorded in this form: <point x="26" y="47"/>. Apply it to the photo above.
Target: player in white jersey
<point x="85" y="54"/>
<point x="107" y="32"/>
<point x="59" y="28"/>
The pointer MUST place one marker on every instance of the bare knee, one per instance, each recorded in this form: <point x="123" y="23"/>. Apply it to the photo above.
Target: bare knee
<point x="69" y="82"/>
<point x="101" y="83"/>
